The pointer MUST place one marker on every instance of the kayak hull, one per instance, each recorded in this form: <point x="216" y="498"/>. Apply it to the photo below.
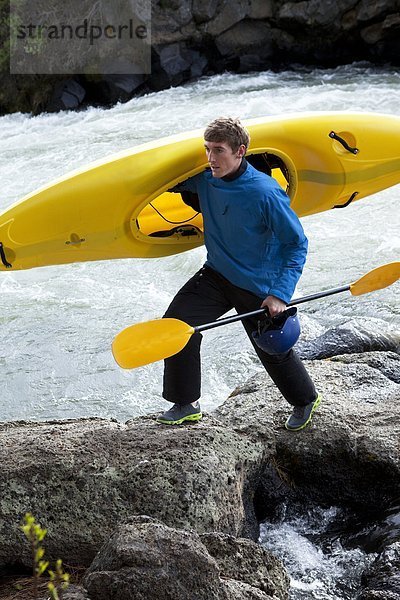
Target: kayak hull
<point x="120" y="207"/>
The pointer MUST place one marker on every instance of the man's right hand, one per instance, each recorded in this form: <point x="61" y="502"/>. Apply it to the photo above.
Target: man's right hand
<point x="275" y="305"/>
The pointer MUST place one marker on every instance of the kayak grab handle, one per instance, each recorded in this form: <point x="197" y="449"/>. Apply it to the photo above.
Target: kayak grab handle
<point x="3" y="257"/>
<point x="354" y="194"/>
<point x="342" y="141"/>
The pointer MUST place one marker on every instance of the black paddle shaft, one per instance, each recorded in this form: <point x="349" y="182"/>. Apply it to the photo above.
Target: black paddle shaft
<point x="261" y="311"/>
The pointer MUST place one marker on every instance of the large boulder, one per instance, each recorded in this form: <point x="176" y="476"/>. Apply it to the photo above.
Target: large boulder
<point x="351" y="337"/>
<point x="81" y="478"/>
<point x="228" y="14"/>
<point x="146" y="560"/>
<point x="174" y="63"/>
<point x="388" y="363"/>
<point x="369" y="11"/>
<point x="67" y="95"/>
<point x="350" y="455"/>
<point x="243" y="562"/>
<point x="246" y="37"/>
<point x="313" y="13"/>
<point x="204" y="10"/>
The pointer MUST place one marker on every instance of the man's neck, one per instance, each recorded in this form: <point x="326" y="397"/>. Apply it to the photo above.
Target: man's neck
<point x="239" y="171"/>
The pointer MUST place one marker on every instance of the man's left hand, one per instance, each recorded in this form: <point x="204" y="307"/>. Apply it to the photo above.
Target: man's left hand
<point x="274" y="305"/>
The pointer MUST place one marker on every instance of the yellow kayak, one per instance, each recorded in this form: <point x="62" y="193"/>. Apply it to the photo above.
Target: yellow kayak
<point x="120" y="207"/>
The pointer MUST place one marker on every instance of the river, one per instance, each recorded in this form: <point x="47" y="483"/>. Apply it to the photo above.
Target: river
<point x="58" y="322"/>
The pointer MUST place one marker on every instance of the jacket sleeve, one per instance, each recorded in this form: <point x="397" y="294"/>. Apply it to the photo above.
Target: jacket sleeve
<point x="191" y="200"/>
<point x="188" y="190"/>
<point x="189" y="185"/>
<point x="291" y="241"/>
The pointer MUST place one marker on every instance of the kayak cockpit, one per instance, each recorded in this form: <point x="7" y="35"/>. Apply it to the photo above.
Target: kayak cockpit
<point x="169" y="217"/>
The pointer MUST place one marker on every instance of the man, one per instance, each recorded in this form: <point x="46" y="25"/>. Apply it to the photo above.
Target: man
<point x="256" y="250"/>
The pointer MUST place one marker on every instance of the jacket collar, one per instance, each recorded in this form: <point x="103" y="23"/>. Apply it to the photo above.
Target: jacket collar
<point x="238" y="173"/>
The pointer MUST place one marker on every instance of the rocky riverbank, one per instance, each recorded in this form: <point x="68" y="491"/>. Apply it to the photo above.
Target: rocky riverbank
<point x="158" y="512"/>
<point x="191" y="38"/>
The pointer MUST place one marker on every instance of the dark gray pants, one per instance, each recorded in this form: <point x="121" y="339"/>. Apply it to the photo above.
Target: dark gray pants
<point x="205" y="298"/>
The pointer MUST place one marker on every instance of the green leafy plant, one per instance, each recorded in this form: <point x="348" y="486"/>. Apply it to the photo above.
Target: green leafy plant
<point x="59" y="580"/>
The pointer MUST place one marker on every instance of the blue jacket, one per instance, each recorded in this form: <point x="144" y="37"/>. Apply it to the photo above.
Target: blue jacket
<point x="253" y="238"/>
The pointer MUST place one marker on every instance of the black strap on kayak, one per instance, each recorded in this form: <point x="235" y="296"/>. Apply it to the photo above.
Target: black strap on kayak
<point x="172" y="222"/>
<point x="342" y="141"/>
<point x="3" y="257"/>
<point x="349" y="201"/>
<point x="184" y="231"/>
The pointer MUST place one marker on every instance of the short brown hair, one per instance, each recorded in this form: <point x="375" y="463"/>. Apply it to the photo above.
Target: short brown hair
<point x="226" y="129"/>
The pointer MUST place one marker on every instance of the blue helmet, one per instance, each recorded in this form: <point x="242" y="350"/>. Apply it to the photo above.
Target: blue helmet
<point x="279" y="334"/>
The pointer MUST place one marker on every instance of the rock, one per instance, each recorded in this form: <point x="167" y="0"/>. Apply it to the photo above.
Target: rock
<point x="75" y="592"/>
<point x="260" y="9"/>
<point x="352" y="337"/>
<point x="26" y="93"/>
<point x="171" y="60"/>
<point x="204" y="10"/>
<point x="326" y="33"/>
<point x="291" y="13"/>
<point x="109" y="89"/>
<point x="251" y="61"/>
<point x="391" y="26"/>
<point x="251" y="45"/>
<point x="389" y="45"/>
<point x="145" y="560"/>
<point x="228" y="15"/>
<point x="349" y="456"/>
<point x="174" y="10"/>
<point x="388" y="363"/>
<point x="248" y="563"/>
<point x="368" y="11"/>
<point x="198" y="64"/>
<point x="349" y="20"/>
<point x="245" y="37"/>
<point x="237" y="590"/>
<point x="81" y="478"/>
<point x="314" y="13"/>
<point x="164" y="29"/>
<point x="173" y="64"/>
<point x="372" y="34"/>
<point x="68" y="95"/>
<point x="382" y="580"/>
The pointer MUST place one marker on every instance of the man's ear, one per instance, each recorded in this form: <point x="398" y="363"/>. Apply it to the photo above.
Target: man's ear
<point x="241" y="151"/>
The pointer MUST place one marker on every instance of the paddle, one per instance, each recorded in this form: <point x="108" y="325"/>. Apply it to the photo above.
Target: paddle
<point x="148" y="342"/>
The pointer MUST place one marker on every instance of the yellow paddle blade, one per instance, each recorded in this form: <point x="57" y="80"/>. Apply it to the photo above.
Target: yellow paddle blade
<point x="376" y="279"/>
<point x="147" y="342"/>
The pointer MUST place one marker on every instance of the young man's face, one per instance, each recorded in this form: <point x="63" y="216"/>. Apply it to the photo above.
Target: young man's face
<point x="222" y="160"/>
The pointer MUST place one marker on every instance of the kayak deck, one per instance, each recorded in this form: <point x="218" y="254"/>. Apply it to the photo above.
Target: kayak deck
<point x="120" y="207"/>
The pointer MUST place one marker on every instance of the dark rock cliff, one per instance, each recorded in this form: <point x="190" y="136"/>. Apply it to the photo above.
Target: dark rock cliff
<point x="192" y="38"/>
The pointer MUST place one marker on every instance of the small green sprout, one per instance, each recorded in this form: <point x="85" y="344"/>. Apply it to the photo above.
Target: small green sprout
<point x="59" y="580"/>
